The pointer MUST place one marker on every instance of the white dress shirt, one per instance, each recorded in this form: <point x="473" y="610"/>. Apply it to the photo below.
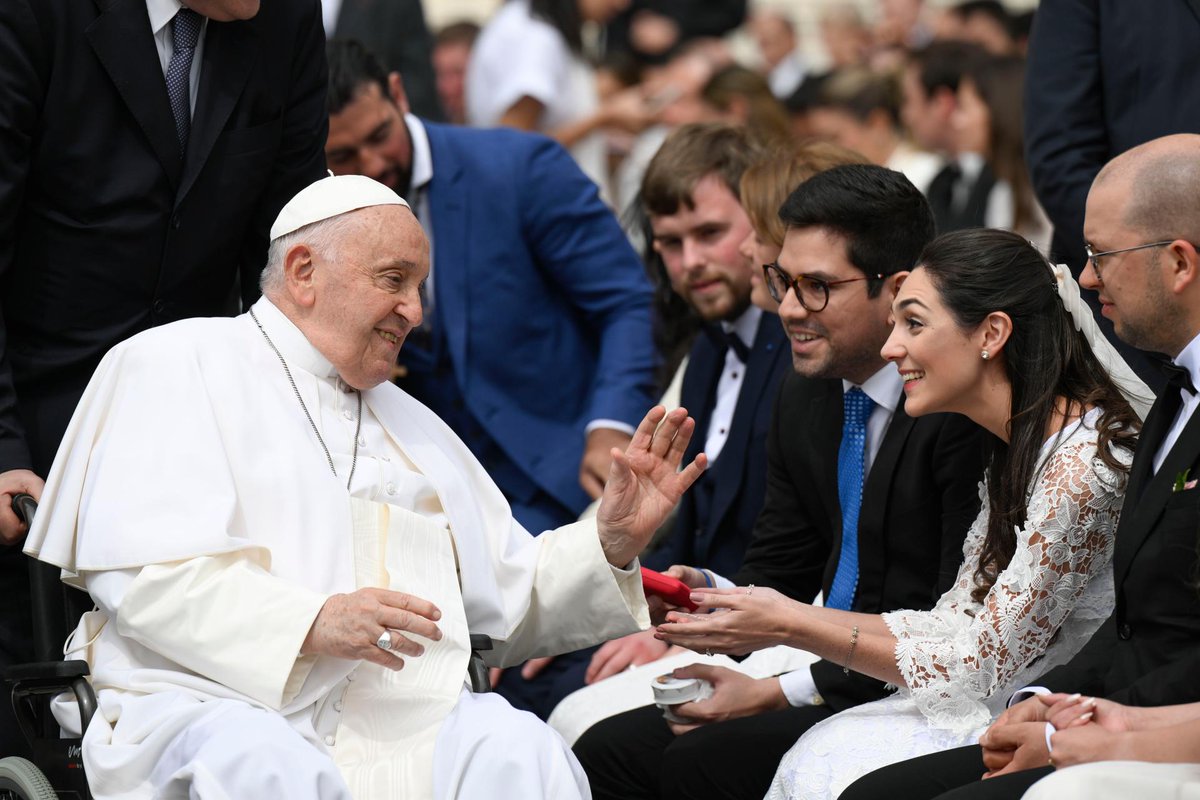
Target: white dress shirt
<point x="161" y="13"/>
<point x="729" y="386"/>
<point x="1189" y="359"/>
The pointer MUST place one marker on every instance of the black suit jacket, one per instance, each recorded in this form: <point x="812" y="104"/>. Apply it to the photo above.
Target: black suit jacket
<point x="1148" y="652"/>
<point x="1103" y="76"/>
<point x="738" y="477"/>
<point x="106" y="229"/>
<point x="395" y="31"/>
<point x="919" y="500"/>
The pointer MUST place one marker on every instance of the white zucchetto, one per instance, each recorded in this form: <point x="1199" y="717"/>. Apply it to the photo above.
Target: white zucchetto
<point x="330" y="197"/>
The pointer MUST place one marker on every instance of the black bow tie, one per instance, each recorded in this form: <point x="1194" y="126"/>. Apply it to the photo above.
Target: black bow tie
<point x="728" y="341"/>
<point x="1177" y="376"/>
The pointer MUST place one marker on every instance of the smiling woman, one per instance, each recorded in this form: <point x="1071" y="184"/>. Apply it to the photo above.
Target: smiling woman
<point x="985" y="327"/>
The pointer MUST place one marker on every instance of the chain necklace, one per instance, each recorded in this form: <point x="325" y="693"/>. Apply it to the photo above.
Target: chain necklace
<point x="292" y="381"/>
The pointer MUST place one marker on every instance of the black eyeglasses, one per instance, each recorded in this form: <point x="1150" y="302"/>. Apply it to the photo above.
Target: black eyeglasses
<point x="1095" y="257"/>
<point x="813" y="293"/>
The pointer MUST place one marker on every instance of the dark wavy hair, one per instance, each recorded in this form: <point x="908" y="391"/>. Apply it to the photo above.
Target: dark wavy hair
<point x="975" y="273"/>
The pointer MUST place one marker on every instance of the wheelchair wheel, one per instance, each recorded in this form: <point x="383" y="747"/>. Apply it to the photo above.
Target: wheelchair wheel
<point x="21" y="780"/>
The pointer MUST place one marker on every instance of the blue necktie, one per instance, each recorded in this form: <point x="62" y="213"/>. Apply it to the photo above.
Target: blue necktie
<point x="185" y="32"/>
<point x="851" y="453"/>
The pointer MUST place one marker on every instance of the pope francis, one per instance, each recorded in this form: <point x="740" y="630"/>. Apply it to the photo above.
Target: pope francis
<point x="287" y="553"/>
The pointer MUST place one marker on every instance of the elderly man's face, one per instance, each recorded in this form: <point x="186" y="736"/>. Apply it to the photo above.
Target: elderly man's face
<point x="367" y="297"/>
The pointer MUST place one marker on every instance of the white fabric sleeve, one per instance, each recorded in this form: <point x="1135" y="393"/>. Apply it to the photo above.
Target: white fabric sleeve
<point x="720" y="581"/>
<point x="534" y="69"/>
<point x="610" y="424"/>
<point x="1066" y="541"/>
<point x="799" y="687"/>
<point x="578" y="599"/>
<point x="226" y="618"/>
<point x="1023" y="694"/>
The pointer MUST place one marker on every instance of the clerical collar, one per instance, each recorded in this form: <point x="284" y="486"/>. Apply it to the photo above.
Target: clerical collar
<point x="293" y="346"/>
<point x="1189" y="359"/>
<point x="422" y="156"/>
<point x="745" y="326"/>
<point x="884" y="387"/>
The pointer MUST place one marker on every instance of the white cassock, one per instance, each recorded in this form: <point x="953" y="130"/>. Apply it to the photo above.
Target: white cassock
<point x="192" y="498"/>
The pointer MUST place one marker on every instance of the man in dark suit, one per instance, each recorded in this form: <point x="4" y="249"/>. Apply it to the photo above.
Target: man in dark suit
<point x="690" y="192"/>
<point x="1143" y="228"/>
<point x="918" y="489"/>
<point x="1104" y="76"/>
<point x="146" y="149"/>
<point x="541" y="397"/>
<point x="396" y="32"/>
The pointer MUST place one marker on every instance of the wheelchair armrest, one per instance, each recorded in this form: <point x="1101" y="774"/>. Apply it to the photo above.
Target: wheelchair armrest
<point x="51" y="670"/>
<point x="39" y="679"/>
<point x="477" y="671"/>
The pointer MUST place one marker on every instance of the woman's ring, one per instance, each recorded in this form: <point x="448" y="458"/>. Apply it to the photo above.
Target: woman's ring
<point x="749" y="590"/>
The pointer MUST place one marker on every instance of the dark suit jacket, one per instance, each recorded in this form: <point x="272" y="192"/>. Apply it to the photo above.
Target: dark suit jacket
<point x="1148" y="652"/>
<point x="105" y="228"/>
<point x="1103" y="76"/>
<point x="718" y="541"/>
<point x="919" y="499"/>
<point x="395" y="31"/>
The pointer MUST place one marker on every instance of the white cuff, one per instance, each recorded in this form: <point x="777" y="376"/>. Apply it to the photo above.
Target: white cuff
<point x="721" y="581"/>
<point x="1023" y="694"/>
<point x="799" y="687"/>
<point x="611" y="424"/>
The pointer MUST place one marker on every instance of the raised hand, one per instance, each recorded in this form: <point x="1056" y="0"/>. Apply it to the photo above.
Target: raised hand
<point x="645" y="482"/>
<point x="349" y="626"/>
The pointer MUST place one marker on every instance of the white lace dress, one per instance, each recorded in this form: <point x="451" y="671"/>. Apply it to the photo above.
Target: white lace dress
<point x="962" y="659"/>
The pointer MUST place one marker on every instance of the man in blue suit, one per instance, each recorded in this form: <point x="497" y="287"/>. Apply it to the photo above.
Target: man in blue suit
<point x="537" y="349"/>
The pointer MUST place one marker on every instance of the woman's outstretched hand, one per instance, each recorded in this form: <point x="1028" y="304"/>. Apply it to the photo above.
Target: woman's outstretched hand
<point x="743" y="619"/>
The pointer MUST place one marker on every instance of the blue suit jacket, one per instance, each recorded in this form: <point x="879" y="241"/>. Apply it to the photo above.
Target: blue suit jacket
<point x="719" y="541"/>
<point x="544" y="305"/>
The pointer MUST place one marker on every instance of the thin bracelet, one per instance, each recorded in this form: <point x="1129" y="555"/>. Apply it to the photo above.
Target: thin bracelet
<point x="850" y="652"/>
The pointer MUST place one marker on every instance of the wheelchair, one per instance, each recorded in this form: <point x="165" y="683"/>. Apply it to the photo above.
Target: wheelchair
<point x="56" y="771"/>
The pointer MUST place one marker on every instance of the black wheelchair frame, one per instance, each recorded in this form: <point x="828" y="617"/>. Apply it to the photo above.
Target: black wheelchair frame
<point x="58" y="761"/>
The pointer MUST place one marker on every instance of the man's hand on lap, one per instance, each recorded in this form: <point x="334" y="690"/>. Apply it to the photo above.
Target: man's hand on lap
<point x="735" y="695"/>
<point x="349" y="625"/>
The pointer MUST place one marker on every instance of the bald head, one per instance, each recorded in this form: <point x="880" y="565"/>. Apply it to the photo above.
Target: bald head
<point x="1161" y="183"/>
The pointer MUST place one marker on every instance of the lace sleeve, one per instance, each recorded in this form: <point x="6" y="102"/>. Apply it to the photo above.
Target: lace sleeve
<point x="1067" y="539"/>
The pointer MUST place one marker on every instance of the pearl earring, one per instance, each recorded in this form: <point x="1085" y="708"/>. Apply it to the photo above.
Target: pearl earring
<point x="985" y="355"/>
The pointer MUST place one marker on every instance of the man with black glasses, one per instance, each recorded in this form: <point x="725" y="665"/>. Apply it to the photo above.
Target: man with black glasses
<point x="863" y="502"/>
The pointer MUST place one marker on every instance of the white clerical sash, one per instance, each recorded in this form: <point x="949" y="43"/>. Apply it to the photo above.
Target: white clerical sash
<point x="390" y="719"/>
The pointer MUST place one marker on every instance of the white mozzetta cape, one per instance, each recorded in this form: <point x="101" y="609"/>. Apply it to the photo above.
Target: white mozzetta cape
<point x="189" y="443"/>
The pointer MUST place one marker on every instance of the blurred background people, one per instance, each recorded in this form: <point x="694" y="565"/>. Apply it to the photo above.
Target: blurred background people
<point x="451" y="54"/>
<point x="859" y="109"/>
<point x="396" y="30"/>
<point x="528" y="71"/>
<point x="775" y="35"/>
<point x="741" y="96"/>
<point x="994" y="189"/>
